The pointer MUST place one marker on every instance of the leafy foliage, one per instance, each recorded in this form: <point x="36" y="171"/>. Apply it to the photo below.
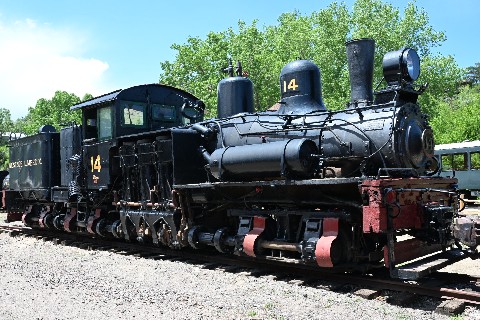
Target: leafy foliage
<point x="442" y="75"/>
<point x="458" y="118"/>
<point x="473" y="74"/>
<point x="320" y="37"/>
<point x="55" y="112"/>
<point x="6" y="122"/>
<point x="6" y="125"/>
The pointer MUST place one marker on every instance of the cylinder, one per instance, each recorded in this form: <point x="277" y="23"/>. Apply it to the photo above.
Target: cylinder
<point x="235" y="95"/>
<point x="290" y="158"/>
<point x="360" y="57"/>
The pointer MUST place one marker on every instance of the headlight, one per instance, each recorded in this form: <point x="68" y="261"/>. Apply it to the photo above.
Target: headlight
<point x="401" y="65"/>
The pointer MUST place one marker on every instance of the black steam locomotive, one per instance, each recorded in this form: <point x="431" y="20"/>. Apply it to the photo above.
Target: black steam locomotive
<point x="337" y="189"/>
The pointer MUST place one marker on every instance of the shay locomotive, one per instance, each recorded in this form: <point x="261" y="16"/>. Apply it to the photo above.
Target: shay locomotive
<point x="336" y="189"/>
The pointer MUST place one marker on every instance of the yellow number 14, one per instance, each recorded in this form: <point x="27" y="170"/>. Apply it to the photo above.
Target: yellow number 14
<point x="96" y="165"/>
<point x="292" y="85"/>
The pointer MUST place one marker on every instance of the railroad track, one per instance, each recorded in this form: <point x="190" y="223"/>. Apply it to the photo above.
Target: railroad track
<point x="444" y="286"/>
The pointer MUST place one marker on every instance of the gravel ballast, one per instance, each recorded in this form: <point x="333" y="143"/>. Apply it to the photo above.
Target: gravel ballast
<point x="40" y="280"/>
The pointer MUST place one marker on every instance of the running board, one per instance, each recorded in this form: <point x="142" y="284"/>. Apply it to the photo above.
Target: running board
<point x="425" y="266"/>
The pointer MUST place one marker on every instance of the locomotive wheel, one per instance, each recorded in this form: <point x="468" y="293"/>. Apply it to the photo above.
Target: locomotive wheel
<point x="58" y="221"/>
<point x="219" y="241"/>
<point x="193" y="237"/>
<point x="100" y="228"/>
<point x="48" y="221"/>
<point x="117" y="230"/>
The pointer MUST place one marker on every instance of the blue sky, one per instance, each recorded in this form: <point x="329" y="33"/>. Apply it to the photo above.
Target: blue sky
<point x="100" y="46"/>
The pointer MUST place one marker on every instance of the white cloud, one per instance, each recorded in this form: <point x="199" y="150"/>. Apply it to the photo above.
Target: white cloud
<point x="37" y="60"/>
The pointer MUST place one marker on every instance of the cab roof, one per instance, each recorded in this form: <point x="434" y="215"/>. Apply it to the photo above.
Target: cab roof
<point x="117" y="94"/>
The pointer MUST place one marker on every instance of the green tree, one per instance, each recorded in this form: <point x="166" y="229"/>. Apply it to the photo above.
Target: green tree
<point x="55" y="112"/>
<point x="473" y="74"/>
<point x="320" y="37"/>
<point x="6" y="125"/>
<point x="458" y="118"/>
<point x="6" y="122"/>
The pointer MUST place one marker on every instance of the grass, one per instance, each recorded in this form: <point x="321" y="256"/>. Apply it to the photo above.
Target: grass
<point x="252" y="313"/>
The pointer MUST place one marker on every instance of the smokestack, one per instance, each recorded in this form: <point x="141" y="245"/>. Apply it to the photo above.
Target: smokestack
<point x="360" y="56"/>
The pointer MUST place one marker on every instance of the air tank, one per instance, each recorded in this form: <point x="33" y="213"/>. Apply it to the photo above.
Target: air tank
<point x="235" y="94"/>
<point x="288" y="158"/>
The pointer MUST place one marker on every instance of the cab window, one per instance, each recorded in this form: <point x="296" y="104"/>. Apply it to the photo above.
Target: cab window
<point x="133" y="114"/>
<point x="104" y="123"/>
<point x="163" y="113"/>
<point x="190" y="115"/>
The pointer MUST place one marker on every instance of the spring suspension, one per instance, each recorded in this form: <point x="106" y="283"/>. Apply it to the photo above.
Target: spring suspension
<point x="74" y="164"/>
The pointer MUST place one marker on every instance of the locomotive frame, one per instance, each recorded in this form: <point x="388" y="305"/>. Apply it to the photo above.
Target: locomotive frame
<point x="336" y="189"/>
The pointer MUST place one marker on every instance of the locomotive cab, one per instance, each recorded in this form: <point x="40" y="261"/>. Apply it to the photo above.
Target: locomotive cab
<point x="114" y="119"/>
